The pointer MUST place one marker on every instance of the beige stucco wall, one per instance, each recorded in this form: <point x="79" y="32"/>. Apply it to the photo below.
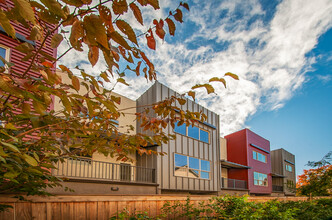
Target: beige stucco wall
<point x="223" y="156"/>
<point x="127" y="119"/>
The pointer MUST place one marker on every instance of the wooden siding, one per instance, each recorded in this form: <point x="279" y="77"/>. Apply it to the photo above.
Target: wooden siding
<point x="184" y="145"/>
<point x="102" y="207"/>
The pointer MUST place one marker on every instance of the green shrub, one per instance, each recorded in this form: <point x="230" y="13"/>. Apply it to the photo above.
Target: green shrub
<point x="231" y="207"/>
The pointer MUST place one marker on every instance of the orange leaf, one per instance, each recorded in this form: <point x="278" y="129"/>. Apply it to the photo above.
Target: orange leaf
<point x="93" y="55"/>
<point x="137" y="12"/>
<point x="151" y="41"/>
<point x="119" y="7"/>
<point x="171" y="26"/>
<point x="47" y="64"/>
<point x="185" y="5"/>
<point x="127" y="30"/>
<point x="178" y="15"/>
<point x="76" y="83"/>
<point x="159" y="28"/>
<point x="119" y="39"/>
<point x="138" y="67"/>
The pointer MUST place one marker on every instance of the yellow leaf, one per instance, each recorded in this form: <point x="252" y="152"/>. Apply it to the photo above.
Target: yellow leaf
<point x="54" y="7"/>
<point x="25" y="10"/>
<point x="39" y="107"/>
<point x="127" y="30"/>
<point x="93" y="55"/>
<point x="192" y="94"/>
<point x="5" y="24"/>
<point x="66" y="103"/>
<point x="234" y="76"/>
<point x="123" y="81"/>
<point x="208" y="87"/>
<point x="56" y="40"/>
<point x="26" y="108"/>
<point x="216" y="79"/>
<point x="76" y="83"/>
<point x="10" y="146"/>
<point x="10" y="126"/>
<point x="137" y="12"/>
<point x="95" y="31"/>
<point x="30" y="160"/>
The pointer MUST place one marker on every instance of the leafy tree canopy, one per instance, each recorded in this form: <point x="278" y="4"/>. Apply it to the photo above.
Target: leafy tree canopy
<point x="318" y="180"/>
<point x="33" y="136"/>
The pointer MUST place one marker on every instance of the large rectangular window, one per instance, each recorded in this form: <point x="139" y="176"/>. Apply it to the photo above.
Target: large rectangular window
<point x="258" y="156"/>
<point x="193" y="132"/>
<point x="289" y="168"/>
<point x="191" y="167"/>
<point x="260" y="179"/>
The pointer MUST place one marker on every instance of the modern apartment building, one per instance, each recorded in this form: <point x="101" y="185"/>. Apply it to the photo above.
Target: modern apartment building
<point x="283" y="172"/>
<point x="192" y="160"/>
<point x="235" y="185"/>
<point x="248" y="149"/>
<point x="99" y="174"/>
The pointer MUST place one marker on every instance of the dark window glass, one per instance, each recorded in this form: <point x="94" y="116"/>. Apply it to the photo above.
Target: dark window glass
<point x="193" y="132"/>
<point x="205" y="165"/>
<point x="194" y="163"/>
<point x="180" y="129"/>
<point x="204" y="136"/>
<point x="3" y="54"/>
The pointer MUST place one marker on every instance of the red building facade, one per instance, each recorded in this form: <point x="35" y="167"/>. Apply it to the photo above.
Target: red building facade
<point x="249" y="149"/>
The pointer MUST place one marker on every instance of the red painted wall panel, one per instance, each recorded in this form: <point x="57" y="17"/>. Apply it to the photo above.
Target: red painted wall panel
<point x="240" y="151"/>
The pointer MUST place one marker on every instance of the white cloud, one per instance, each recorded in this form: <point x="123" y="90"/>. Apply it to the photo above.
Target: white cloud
<point x="269" y="56"/>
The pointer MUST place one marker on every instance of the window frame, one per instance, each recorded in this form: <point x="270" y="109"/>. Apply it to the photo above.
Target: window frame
<point x="188" y="167"/>
<point x="261" y="181"/>
<point x="7" y="55"/>
<point x="199" y="132"/>
<point x="291" y="168"/>
<point x="257" y="158"/>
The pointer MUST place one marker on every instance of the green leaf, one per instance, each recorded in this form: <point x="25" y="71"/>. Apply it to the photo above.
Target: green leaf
<point x="123" y="81"/>
<point x="25" y="10"/>
<point x="234" y="76"/>
<point x="216" y="79"/>
<point x="3" y="159"/>
<point x="11" y="174"/>
<point x="39" y="107"/>
<point x="5" y="24"/>
<point x="30" y="160"/>
<point x="10" y="146"/>
<point x="56" y="40"/>
<point x="127" y="30"/>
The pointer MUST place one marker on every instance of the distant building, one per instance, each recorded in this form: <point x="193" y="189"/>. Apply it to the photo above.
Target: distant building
<point x="283" y="172"/>
<point x="248" y="149"/>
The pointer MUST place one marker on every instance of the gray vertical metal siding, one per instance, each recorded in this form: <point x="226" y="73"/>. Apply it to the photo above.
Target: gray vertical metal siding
<point x="184" y="145"/>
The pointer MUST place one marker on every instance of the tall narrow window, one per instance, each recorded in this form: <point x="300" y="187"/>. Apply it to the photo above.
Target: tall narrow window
<point x="4" y="53"/>
<point x="289" y="168"/>
<point x="193" y="132"/>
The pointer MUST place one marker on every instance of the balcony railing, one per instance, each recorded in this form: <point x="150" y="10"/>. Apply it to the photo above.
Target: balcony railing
<point x="233" y="184"/>
<point x="82" y="168"/>
<point x="276" y="188"/>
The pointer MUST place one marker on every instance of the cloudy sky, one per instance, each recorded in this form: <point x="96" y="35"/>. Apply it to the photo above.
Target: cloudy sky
<point x="281" y="50"/>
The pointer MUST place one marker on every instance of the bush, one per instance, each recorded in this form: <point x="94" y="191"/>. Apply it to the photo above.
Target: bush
<point x="231" y="207"/>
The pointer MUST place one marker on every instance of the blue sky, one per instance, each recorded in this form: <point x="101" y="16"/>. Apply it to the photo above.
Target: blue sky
<point x="281" y="50"/>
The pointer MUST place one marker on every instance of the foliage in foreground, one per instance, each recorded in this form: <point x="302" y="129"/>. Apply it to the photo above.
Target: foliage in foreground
<point x="318" y="180"/>
<point x="229" y="207"/>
